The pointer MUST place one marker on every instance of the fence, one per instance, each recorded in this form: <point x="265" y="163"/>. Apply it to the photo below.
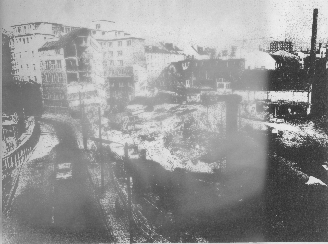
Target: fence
<point x="16" y="158"/>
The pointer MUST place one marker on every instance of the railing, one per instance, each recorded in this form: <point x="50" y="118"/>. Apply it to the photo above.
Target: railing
<point x="15" y="159"/>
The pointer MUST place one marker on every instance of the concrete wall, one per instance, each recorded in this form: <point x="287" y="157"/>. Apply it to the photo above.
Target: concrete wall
<point x="274" y="96"/>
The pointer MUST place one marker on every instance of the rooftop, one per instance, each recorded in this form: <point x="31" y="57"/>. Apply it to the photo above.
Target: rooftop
<point x="64" y="40"/>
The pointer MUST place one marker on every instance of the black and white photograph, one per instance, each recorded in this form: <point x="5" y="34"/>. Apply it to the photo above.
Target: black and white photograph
<point x="164" y="121"/>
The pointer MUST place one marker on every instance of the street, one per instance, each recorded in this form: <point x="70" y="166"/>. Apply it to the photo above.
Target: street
<point x="54" y="201"/>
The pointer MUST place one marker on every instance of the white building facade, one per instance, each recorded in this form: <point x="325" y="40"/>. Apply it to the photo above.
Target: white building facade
<point x="26" y="40"/>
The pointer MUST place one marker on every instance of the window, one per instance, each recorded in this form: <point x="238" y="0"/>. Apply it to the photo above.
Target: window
<point x="121" y="84"/>
<point x="120" y="62"/>
<point x="27" y="40"/>
<point x="128" y="43"/>
<point x="47" y="64"/>
<point x="119" y="53"/>
<point x="54" y="77"/>
<point x="27" y="66"/>
<point x="109" y="44"/>
<point x="33" y="54"/>
<point x="34" y="66"/>
<point x="97" y="26"/>
<point x="53" y="64"/>
<point x="110" y="53"/>
<point x="119" y="43"/>
<point x="228" y="86"/>
<point x="60" y="77"/>
<point x="94" y="32"/>
<point x="103" y="33"/>
<point x="67" y="29"/>
<point x="111" y="62"/>
<point x="220" y="85"/>
<point x="59" y="64"/>
<point x="57" y="51"/>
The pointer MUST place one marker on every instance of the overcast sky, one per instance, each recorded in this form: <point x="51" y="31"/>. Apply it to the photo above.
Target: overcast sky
<point x="203" y="22"/>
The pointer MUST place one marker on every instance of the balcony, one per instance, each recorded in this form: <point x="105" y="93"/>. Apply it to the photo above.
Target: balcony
<point x="71" y="66"/>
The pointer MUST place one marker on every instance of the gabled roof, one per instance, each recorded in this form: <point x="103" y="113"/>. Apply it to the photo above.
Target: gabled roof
<point x="162" y="48"/>
<point x="64" y="40"/>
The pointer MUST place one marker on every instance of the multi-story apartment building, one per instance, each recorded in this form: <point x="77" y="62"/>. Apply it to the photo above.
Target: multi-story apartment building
<point x="71" y="70"/>
<point x="281" y="45"/>
<point x="26" y="40"/>
<point x="123" y="60"/>
<point x="159" y="56"/>
<point x="213" y="75"/>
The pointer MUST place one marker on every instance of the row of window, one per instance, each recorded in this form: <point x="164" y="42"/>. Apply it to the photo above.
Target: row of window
<point x="111" y="72"/>
<point x="23" y="67"/>
<point x="112" y="63"/>
<point x="52" y="64"/>
<point x="19" y="55"/>
<point x="110" y="54"/>
<point x="52" y="77"/>
<point x="54" y="96"/>
<point x="119" y="43"/>
<point x="24" y="28"/>
<point x="25" y="78"/>
<point x="223" y="85"/>
<point x="24" y="40"/>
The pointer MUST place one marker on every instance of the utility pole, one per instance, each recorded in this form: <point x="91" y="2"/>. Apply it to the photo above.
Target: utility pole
<point x="313" y="90"/>
<point x="100" y="153"/>
<point x="313" y="41"/>
<point x="84" y="137"/>
<point x="126" y="153"/>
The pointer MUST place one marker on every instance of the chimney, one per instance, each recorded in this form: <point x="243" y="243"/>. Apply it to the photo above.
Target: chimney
<point x="314" y="40"/>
